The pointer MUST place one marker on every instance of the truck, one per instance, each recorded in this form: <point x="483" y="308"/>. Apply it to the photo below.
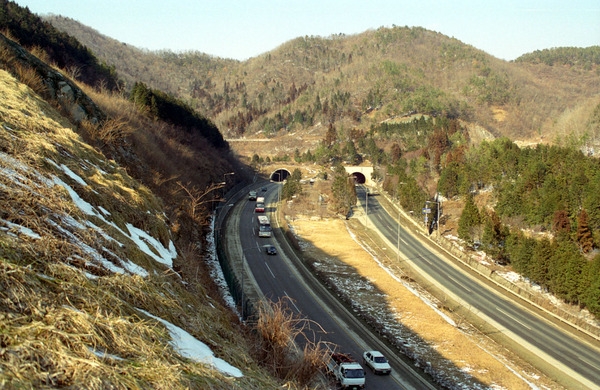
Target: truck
<point x="260" y="205"/>
<point x="346" y="371"/>
<point x="264" y="226"/>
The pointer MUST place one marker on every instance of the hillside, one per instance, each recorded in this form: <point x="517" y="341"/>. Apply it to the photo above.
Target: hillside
<point x="106" y="265"/>
<point x="361" y="80"/>
<point x="86" y="255"/>
<point x="437" y="119"/>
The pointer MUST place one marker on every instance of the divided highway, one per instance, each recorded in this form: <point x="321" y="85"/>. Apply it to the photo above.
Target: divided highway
<point x="561" y="351"/>
<point x="282" y="276"/>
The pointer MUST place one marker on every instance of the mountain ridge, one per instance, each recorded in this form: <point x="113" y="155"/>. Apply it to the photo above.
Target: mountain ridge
<point x="389" y="71"/>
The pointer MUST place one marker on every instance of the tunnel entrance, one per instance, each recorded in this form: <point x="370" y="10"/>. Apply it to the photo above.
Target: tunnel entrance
<point x="359" y="178"/>
<point x="279" y="175"/>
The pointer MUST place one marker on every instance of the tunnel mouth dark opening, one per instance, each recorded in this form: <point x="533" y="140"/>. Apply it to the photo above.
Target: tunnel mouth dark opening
<point x="359" y="178"/>
<point x="279" y="175"/>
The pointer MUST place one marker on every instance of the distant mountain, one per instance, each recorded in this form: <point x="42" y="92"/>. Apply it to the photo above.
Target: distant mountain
<point x="359" y="81"/>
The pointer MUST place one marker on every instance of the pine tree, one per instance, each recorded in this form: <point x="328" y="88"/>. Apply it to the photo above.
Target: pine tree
<point x="584" y="234"/>
<point x="330" y="136"/>
<point x="561" y="223"/>
<point x="469" y="220"/>
<point x="540" y="263"/>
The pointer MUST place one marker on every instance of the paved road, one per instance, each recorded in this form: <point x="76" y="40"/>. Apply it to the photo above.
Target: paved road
<point x="279" y="278"/>
<point x="571" y="355"/>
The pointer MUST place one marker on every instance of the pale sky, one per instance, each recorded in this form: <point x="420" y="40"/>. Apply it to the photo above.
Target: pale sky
<point x="241" y="29"/>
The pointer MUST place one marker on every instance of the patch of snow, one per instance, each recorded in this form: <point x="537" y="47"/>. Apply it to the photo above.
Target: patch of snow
<point x="21" y="229"/>
<point x="143" y="239"/>
<point x="215" y="269"/>
<point x="190" y="347"/>
<point x="72" y="175"/>
<point x="82" y="204"/>
<point x="103" y="354"/>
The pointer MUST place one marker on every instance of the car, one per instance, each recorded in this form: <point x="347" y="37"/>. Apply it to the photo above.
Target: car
<point x="377" y="362"/>
<point x="271" y="250"/>
<point x="264" y="189"/>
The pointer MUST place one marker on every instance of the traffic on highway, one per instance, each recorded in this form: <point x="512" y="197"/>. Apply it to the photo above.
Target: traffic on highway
<point x="275" y="271"/>
<point x="280" y="276"/>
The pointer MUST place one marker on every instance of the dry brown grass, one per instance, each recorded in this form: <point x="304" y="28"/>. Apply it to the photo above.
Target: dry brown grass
<point x="65" y="319"/>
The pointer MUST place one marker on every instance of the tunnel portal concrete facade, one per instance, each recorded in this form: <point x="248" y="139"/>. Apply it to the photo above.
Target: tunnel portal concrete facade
<point x="362" y="175"/>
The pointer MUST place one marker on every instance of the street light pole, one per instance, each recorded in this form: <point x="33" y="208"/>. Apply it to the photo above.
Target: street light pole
<point x="366" y="207"/>
<point x="225" y="181"/>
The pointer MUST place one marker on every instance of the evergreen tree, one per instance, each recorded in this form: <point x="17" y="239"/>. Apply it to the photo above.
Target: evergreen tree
<point x="292" y="185"/>
<point x="584" y="234"/>
<point x="330" y="137"/>
<point x="561" y="223"/>
<point x="395" y="153"/>
<point x="343" y="190"/>
<point x="352" y="155"/>
<point x="591" y="286"/>
<point x="448" y="182"/>
<point x="469" y="220"/>
<point x="565" y="270"/>
<point x="521" y="251"/>
<point x="540" y="263"/>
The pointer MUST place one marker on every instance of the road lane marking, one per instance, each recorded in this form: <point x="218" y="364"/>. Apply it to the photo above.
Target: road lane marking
<point x="587" y="362"/>
<point x="291" y="300"/>
<point x="269" y="268"/>
<point x="458" y="284"/>
<point x="513" y="318"/>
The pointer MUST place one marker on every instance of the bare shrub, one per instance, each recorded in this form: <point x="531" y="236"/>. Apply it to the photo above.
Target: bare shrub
<point x="279" y="330"/>
<point x="111" y="131"/>
<point x="40" y="53"/>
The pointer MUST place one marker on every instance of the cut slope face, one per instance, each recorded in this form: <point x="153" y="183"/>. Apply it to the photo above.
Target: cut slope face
<point x="87" y="294"/>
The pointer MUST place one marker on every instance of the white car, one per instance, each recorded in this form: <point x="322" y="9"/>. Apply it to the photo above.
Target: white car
<point x="377" y="362"/>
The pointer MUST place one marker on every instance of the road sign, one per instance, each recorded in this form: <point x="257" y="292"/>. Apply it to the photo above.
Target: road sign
<point x="426" y="211"/>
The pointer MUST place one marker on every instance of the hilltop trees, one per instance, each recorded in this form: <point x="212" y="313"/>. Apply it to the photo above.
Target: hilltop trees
<point x="170" y="109"/>
<point x="61" y="49"/>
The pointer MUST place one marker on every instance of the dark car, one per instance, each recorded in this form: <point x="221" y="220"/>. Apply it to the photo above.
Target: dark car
<point x="264" y="189"/>
<point x="271" y="250"/>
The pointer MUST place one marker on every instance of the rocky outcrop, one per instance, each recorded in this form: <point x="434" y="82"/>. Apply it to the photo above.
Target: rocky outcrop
<point x="56" y="88"/>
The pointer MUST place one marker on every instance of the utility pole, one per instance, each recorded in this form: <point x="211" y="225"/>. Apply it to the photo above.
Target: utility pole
<point x="366" y="207"/>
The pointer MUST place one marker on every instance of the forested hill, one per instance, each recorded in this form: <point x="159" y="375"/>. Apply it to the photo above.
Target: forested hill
<point x="358" y="81"/>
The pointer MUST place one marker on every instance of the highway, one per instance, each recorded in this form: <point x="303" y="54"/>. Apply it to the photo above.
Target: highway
<point x="568" y="354"/>
<point x="282" y="276"/>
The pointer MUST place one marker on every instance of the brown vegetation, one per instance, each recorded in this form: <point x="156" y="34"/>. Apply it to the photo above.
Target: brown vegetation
<point x="69" y="321"/>
<point x="361" y="80"/>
